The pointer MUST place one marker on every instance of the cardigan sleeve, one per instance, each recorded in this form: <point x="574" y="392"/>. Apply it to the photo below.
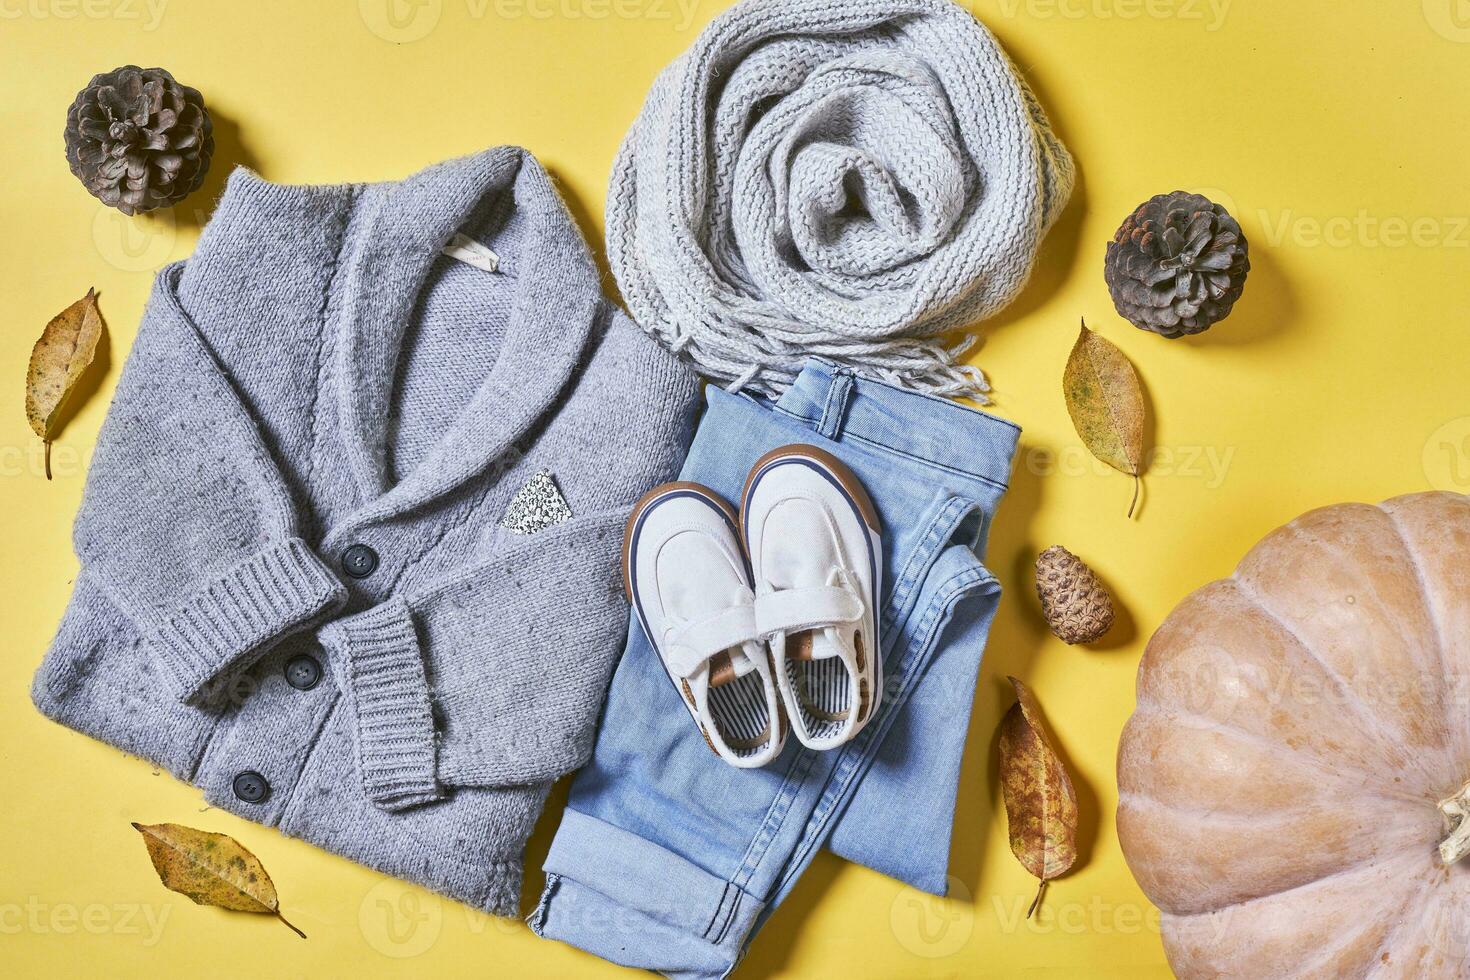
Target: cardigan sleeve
<point x="458" y="686"/>
<point x="185" y="521"/>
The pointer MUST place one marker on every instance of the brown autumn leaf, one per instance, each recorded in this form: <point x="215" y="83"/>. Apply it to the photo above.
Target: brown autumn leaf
<point x="212" y="869"/>
<point x="1041" y="805"/>
<point x="1105" y="401"/>
<point x="62" y="353"/>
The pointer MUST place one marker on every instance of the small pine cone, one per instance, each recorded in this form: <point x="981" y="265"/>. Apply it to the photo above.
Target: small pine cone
<point x="1077" y="607"/>
<point x="138" y="140"/>
<point x="1177" y="265"/>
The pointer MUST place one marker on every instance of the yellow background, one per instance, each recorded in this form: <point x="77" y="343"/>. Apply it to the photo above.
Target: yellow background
<point x="1336" y="132"/>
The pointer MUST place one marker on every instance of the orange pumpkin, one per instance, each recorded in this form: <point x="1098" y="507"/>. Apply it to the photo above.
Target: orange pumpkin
<point x="1295" y="783"/>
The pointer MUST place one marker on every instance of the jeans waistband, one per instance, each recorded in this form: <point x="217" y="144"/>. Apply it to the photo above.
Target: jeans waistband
<point x="926" y="428"/>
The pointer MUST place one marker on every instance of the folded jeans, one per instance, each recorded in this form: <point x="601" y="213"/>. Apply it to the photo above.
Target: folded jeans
<point x="667" y="859"/>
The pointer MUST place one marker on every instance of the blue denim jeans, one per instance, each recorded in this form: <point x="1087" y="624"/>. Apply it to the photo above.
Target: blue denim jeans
<point x="667" y="858"/>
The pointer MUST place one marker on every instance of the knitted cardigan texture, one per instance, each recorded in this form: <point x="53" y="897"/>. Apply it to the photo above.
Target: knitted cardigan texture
<point x="318" y="380"/>
<point x="848" y="179"/>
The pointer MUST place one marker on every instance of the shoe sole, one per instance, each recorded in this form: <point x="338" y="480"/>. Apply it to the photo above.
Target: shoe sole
<point x="869" y="514"/>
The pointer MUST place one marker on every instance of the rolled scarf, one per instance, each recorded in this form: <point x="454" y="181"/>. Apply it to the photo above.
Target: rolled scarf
<point x="857" y="180"/>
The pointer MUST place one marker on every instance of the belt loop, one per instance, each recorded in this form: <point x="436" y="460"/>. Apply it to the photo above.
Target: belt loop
<point x="834" y="410"/>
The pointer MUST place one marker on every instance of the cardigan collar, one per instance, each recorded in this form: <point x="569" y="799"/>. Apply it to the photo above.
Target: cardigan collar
<point x="393" y="235"/>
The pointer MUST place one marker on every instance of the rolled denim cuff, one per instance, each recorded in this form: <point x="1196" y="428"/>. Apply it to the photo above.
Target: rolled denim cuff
<point x="632" y="902"/>
<point x="241" y="614"/>
<point x="390" y="697"/>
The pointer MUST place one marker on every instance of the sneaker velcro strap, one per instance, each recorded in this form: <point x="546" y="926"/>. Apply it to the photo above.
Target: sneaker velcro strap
<point x="694" y="643"/>
<point x="794" y="610"/>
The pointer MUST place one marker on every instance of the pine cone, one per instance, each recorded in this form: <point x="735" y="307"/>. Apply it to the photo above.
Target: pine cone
<point x="1076" y="606"/>
<point x="1177" y="265"/>
<point x="137" y="139"/>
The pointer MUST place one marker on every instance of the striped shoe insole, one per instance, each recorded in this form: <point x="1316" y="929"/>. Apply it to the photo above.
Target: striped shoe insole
<point x="738" y="708"/>
<point x="823" y="688"/>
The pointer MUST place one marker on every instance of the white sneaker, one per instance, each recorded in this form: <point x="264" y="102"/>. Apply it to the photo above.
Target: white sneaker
<point x="690" y="587"/>
<point x="816" y="557"/>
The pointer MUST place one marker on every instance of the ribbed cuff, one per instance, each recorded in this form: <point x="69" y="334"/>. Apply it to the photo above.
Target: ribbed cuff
<point x="502" y="896"/>
<point x="241" y="613"/>
<point x="390" y="693"/>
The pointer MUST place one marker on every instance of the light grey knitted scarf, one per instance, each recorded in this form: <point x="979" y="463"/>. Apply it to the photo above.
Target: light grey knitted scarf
<point x="848" y="179"/>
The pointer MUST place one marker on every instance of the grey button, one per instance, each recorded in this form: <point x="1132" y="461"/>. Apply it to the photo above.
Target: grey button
<point x="251" y="786"/>
<point x="359" y="561"/>
<point x="303" y="672"/>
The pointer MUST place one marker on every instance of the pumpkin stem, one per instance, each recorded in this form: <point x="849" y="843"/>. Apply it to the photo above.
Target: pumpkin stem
<point x="1456" y="809"/>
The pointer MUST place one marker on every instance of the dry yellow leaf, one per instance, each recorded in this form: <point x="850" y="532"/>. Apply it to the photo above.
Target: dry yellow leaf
<point x="212" y="869"/>
<point x="1041" y="805"/>
<point x="1105" y="401"/>
<point x="65" y="348"/>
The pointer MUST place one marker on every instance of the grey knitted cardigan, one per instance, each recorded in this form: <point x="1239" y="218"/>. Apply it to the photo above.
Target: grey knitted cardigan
<point x="317" y="377"/>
